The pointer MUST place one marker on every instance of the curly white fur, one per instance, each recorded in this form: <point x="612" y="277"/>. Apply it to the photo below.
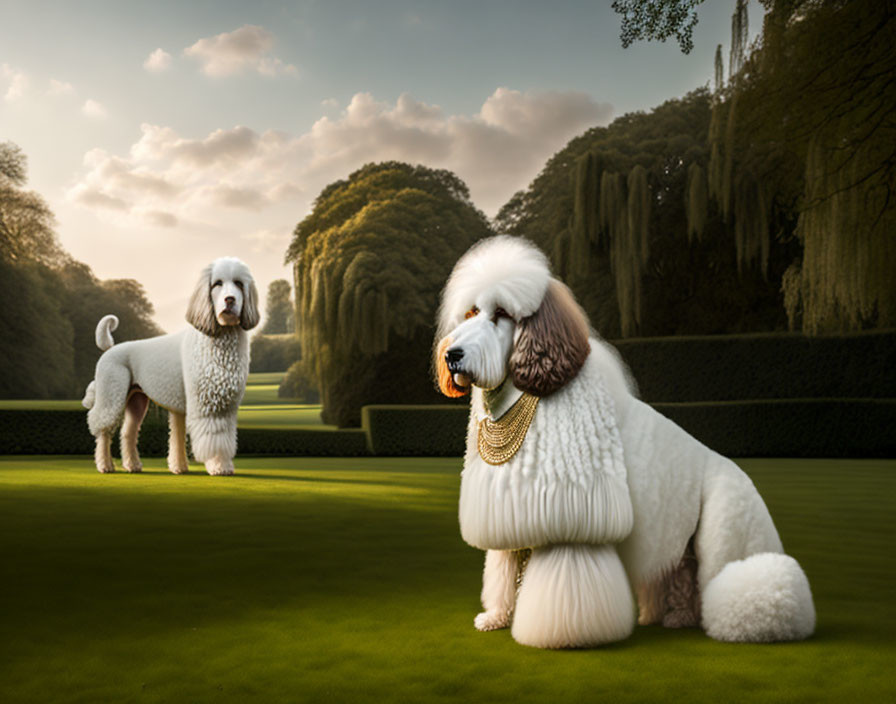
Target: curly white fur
<point x="198" y="374"/>
<point x="599" y="467"/>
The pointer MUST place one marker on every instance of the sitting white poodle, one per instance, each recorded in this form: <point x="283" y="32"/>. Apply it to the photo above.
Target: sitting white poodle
<point x="580" y="493"/>
<point x="199" y="375"/>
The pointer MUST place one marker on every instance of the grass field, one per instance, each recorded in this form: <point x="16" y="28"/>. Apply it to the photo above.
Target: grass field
<point x="346" y="580"/>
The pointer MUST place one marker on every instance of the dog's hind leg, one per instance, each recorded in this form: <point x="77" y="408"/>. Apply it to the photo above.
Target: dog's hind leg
<point x="103" y="453"/>
<point x="177" y="443"/>
<point x="134" y="413"/>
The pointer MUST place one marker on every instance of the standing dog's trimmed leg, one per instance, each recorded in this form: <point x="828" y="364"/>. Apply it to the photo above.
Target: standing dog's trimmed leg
<point x="103" y="453"/>
<point x="498" y="589"/>
<point x="214" y="442"/>
<point x="177" y="443"/>
<point x="134" y="413"/>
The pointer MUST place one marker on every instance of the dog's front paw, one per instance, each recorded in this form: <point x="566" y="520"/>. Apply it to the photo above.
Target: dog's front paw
<point x="134" y="467"/>
<point x="176" y="468"/>
<point x="219" y="467"/>
<point x="492" y="620"/>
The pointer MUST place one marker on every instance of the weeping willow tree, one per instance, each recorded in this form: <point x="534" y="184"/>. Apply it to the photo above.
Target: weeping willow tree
<point x="847" y="276"/>
<point x="612" y="215"/>
<point x="808" y="154"/>
<point x="369" y="262"/>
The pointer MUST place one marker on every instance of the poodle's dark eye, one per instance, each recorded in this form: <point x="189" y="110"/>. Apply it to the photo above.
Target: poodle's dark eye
<point x="472" y="313"/>
<point x="218" y="283"/>
<point x="239" y="285"/>
<point x="500" y="313"/>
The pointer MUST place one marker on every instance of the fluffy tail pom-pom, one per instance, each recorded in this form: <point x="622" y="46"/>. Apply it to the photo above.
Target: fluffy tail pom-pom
<point x="761" y="599"/>
<point x="89" y="395"/>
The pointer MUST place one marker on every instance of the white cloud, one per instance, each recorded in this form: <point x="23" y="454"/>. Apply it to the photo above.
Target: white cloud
<point x="207" y="180"/>
<point x="244" y="49"/>
<point x="58" y="88"/>
<point x="16" y="82"/>
<point x="94" y="109"/>
<point x="158" y="61"/>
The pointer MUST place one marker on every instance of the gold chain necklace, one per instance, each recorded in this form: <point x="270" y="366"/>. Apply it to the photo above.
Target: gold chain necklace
<point x="500" y="439"/>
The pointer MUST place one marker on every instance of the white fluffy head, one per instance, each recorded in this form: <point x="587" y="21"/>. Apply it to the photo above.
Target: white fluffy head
<point x="225" y="296"/>
<point x="506" y="272"/>
<point x="503" y="314"/>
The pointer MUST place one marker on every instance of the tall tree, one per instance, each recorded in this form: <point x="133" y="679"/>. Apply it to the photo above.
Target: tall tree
<point x="48" y="347"/>
<point x="279" y="317"/>
<point x="369" y="263"/>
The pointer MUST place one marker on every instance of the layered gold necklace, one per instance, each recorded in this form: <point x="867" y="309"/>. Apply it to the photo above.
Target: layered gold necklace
<point x="500" y="439"/>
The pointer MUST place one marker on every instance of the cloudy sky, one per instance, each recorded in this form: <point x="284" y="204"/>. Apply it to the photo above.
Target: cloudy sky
<point x="166" y="134"/>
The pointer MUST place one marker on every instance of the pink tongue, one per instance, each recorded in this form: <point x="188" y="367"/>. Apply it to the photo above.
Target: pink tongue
<point x="461" y="379"/>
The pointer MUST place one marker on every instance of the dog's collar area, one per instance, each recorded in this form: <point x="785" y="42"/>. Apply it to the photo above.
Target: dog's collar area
<point x="499" y="440"/>
<point x="499" y="400"/>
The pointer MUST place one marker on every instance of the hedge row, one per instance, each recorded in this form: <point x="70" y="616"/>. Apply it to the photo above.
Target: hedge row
<point x="32" y="432"/>
<point x="415" y="429"/>
<point x="791" y="427"/>
<point x="762" y="366"/>
<point x="761" y="428"/>
<point x="784" y="428"/>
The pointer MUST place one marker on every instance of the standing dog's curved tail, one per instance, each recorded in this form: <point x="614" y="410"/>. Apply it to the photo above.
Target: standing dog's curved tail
<point x="104" y="330"/>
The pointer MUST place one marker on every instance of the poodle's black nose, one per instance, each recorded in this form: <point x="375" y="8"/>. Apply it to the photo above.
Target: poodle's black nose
<point x="453" y="357"/>
<point x="230" y="300"/>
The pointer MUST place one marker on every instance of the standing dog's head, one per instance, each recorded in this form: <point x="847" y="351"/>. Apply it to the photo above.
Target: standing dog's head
<point x="503" y="314"/>
<point x="225" y="296"/>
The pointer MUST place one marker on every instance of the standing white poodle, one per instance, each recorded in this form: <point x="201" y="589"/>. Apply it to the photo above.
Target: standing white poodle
<point x="582" y="494"/>
<point x="198" y="374"/>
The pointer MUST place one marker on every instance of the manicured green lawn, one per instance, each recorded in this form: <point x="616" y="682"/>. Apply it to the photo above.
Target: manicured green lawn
<point x="320" y="580"/>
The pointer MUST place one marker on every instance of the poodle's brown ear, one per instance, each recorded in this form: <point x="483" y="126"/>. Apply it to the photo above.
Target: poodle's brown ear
<point x="200" y="311"/>
<point x="444" y="378"/>
<point x="250" y="316"/>
<point x="551" y="345"/>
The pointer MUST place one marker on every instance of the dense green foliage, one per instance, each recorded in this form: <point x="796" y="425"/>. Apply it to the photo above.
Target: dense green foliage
<point x="345" y="580"/>
<point x="658" y="20"/>
<point x="370" y="261"/>
<point x="54" y="301"/>
<point x="274" y="353"/>
<point x="278" y="314"/>
<point x="611" y="209"/>
<point x="801" y="143"/>
<point x="769" y="202"/>
<point x="810" y="129"/>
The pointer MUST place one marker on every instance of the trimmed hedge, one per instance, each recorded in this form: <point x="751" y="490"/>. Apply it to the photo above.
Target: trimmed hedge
<point x="50" y="432"/>
<point x="323" y="442"/>
<point x="427" y="430"/>
<point x="762" y="366"/>
<point x="791" y="427"/>
<point x="762" y="428"/>
<point x="33" y="432"/>
<point x="759" y="428"/>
